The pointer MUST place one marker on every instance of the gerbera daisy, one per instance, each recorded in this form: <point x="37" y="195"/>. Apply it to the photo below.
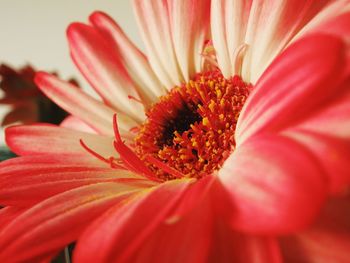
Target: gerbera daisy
<point x="232" y="132"/>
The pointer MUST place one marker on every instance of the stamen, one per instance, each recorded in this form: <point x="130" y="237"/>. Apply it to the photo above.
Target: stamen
<point x="130" y="97"/>
<point x="208" y="56"/>
<point x="238" y="56"/>
<point x="190" y="131"/>
<point x="165" y="167"/>
<point x="111" y="161"/>
<point x="210" y="60"/>
<point x="128" y="157"/>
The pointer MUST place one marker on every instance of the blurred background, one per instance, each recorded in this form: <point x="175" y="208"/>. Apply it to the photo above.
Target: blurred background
<point x="33" y="32"/>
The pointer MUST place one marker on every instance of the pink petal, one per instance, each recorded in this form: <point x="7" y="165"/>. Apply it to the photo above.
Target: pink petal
<point x="101" y="65"/>
<point x="333" y="19"/>
<point x="332" y="154"/>
<point x="228" y="245"/>
<point x="44" y="139"/>
<point x="332" y="118"/>
<point x="153" y="21"/>
<point x="7" y="214"/>
<point x="55" y="222"/>
<point x="339" y="26"/>
<point x="268" y="179"/>
<point x="133" y="59"/>
<point x="328" y="240"/>
<point x="189" y="21"/>
<point x="75" y="123"/>
<point x="289" y="90"/>
<point x="193" y="196"/>
<point x="185" y="240"/>
<point x="130" y="225"/>
<point x="26" y="181"/>
<point x="75" y="101"/>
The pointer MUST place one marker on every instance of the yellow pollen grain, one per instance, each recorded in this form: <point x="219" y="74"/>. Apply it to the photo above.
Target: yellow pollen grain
<point x="212" y="106"/>
<point x="218" y="93"/>
<point x="211" y="84"/>
<point x="205" y="121"/>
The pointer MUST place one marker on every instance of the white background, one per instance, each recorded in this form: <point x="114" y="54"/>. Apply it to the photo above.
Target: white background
<point x="33" y="31"/>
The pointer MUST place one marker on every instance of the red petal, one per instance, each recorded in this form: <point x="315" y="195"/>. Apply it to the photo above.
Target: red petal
<point x="55" y="222"/>
<point x="332" y="119"/>
<point x="332" y="20"/>
<point x="7" y="214"/>
<point x="194" y="195"/>
<point x="339" y="26"/>
<point x="122" y="230"/>
<point x="332" y="153"/>
<point x="185" y="240"/>
<point x="45" y="139"/>
<point x="229" y="246"/>
<point x="26" y="181"/>
<point x="269" y="178"/>
<point x="289" y="90"/>
<point x="326" y="241"/>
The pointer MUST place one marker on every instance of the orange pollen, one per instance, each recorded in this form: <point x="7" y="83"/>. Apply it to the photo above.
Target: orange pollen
<point x="191" y="130"/>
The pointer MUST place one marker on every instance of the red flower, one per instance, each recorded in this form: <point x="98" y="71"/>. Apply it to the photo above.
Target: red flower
<point x="28" y="104"/>
<point x="220" y="170"/>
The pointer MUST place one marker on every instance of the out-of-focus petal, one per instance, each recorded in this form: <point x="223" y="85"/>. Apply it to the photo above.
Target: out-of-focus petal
<point x="81" y="105"/>
<point x="102" y="67"/>
<point x="268" y="179"/>
<point x="122" y="230"/>
<point x="333" y="19"/>
<point x="328" y="240"/>
<point x="228" y="246"/>
<point x="134" y="60"/>
<point x="339" y="26"/>
<point x="25" y="114"/>
<point x="56" y="221"/>
<point x="44" y="139"/>
<point x="331" y="152"/>
<point x="332" y="118"/>
<point x="289" y="89"/>
<point x="153" y="21"/>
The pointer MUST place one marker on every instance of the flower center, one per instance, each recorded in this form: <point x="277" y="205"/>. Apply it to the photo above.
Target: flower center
<point x="192" y="128"/>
